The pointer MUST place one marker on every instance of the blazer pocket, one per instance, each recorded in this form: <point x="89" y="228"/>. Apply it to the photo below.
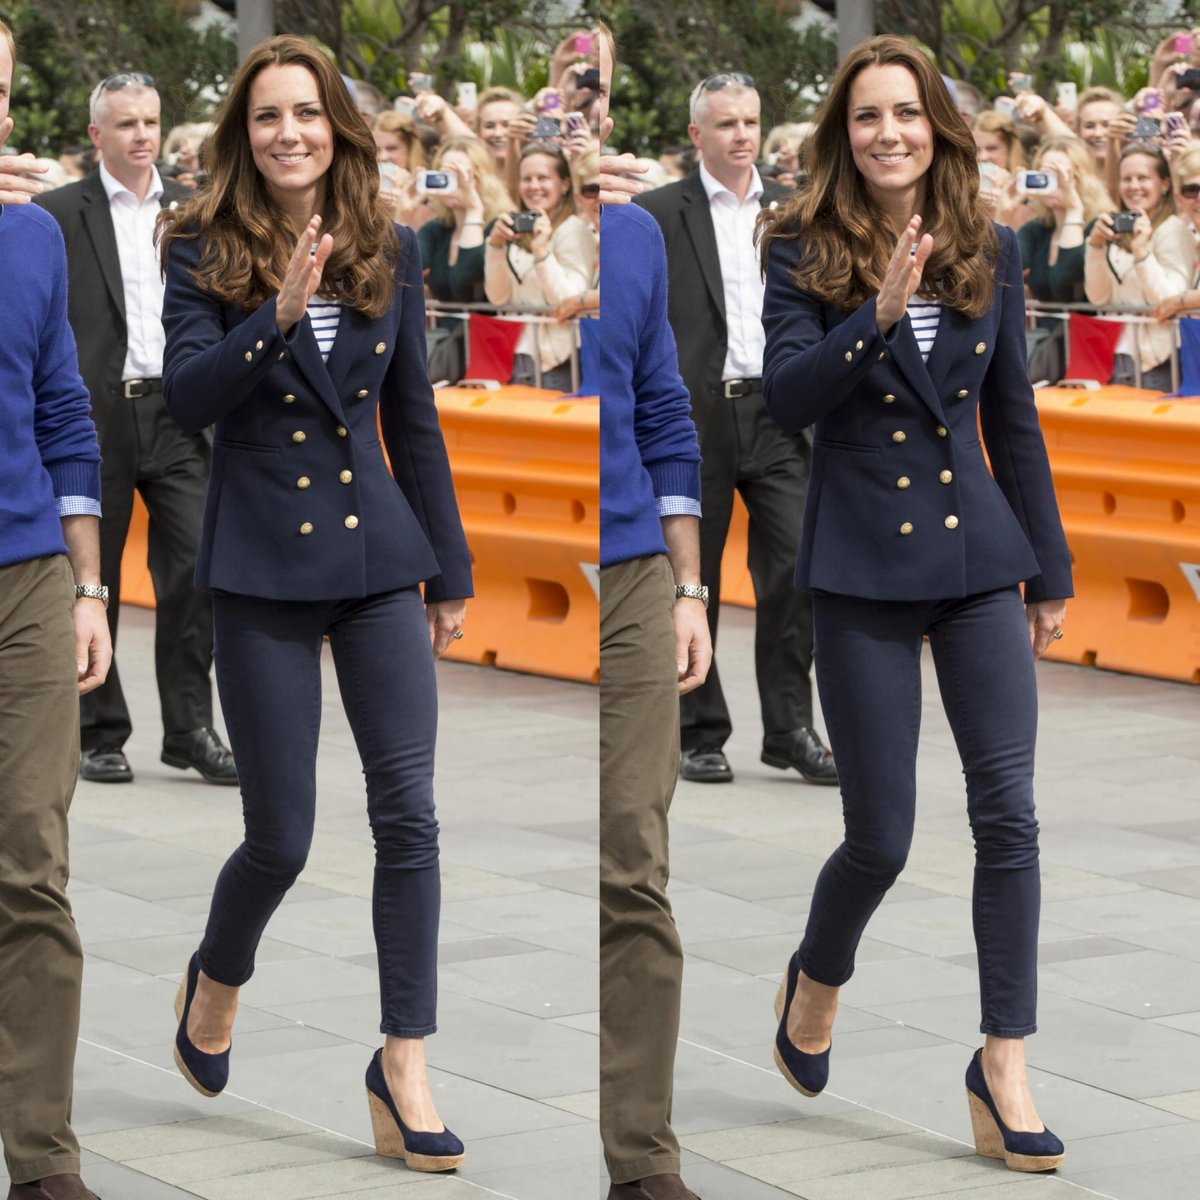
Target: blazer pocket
<point x="253" y="447"/>
<point x="852" y="447"/>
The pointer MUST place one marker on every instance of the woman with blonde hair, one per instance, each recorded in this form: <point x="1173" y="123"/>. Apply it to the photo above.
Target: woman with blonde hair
<point x="1145" y="266"/>
<point x="452" y="240"/>
<point x="895" y="327"/>
<point x="1001" y="156"/>
<point x="542" y="267"/>
<point x="295" y="327"/>
<point x="1186" y="172"/>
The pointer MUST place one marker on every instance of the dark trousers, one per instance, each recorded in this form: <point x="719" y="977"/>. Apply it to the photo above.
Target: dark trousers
<point x="268" y="656"/>
<point x="145" y="451"/>
<point x="641" y="960"/>
<point x="1154" y="379"/>
<point x="868" y="656"/>
<point x="41" y="964"/>
<point x="555" y="379"/>
<point x="745" y="451"/>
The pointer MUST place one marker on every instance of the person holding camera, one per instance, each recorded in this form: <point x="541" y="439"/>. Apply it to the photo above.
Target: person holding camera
<point x="541" y="256"/>
<point x="1140" y="256"/>
<point x="295" y="326"/>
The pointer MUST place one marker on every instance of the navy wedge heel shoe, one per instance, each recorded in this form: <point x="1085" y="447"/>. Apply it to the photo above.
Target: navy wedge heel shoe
<point x="207" y="1073"/>
<point x="421" y="1151"/>
<point x="807" y="1073"/>
<point x="1021" y="1151"/>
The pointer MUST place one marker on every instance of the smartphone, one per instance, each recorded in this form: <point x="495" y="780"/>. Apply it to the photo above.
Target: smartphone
<point x="1146" y="129"/>
<point x="523" y="222"/>
<point x="577" y="121"/>
<point x="546" y="129"/>
<point x="1189" y="80"/>
<point x="588" y="80"/>
<point x="1005" y="105"/>
<point x="582" y="44"/>
<point x="550" y="102"/>
<point x="1066" y="94"/>
<point x="444" y="182"/>
<point x="1123" y="222"/>
<point x="1183" y="43"/>
<point x="1176" y="121"/>
<point x="988" y="172"/>
<point x="1041" y="182"/>
<point x="1021" y="82"/>
<point x="420" y="82"/>
<point x="1152" y="102"/>
<point x="389" y="176"/>
<point x="465" y="94"/>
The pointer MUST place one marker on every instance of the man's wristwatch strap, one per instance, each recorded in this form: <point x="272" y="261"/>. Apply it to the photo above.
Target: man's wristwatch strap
<point x="693" y="591"/>
<point x="94" y="591"/>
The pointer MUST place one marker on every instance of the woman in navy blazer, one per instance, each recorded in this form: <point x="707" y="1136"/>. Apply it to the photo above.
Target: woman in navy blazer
<point x="897" y="346"/>
<point x="293" y="343"/>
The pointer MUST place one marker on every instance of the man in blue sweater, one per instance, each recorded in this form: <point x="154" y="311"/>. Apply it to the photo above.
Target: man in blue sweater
<point x="54" y="644"/>
<point x="654" y="645"/>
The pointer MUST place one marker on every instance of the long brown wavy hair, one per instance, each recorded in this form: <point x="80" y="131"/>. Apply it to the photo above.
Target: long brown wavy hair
<point x="246" y="243"/>
<point x="846" y="243"/>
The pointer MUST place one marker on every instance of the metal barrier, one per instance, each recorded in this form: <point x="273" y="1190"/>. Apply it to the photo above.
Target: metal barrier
<point x="535" y="315"/>
<point x="1135" y="315"/>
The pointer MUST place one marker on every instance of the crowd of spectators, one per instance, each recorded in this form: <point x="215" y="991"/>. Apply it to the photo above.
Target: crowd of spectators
<point x="501" y="188"/>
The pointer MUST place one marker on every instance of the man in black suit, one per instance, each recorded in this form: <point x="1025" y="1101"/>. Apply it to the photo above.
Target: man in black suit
<point x="715" y="306"/>
<point x="115" y="310"/>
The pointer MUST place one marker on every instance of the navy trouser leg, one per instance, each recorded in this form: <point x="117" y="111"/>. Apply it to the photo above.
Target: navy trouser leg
<point x="986" y="675"/>
<point x="268" y="656"/>
<point x="386" y="674"/>
<point x="869" y="675"/>
<point x="268" y="660"/>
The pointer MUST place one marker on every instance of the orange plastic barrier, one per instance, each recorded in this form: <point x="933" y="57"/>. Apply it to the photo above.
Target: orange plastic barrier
<point x="525" y="464"/>
<point x="526" y="470"/>
<point x="1126" y="467"/>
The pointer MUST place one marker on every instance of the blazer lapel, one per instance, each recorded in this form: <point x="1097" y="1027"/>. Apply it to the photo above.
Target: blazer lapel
<point x="306" y="354"/>
<point x="906" y="353"/>
<point x="352" y="331"/>
<point x="952" y="329"/>
<point x="97" y="220"/>
<point x="697" y="220"/>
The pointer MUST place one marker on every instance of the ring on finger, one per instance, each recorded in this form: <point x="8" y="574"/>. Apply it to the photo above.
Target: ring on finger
<point x="1058" y="635"/>
<point x="458" y="635"/>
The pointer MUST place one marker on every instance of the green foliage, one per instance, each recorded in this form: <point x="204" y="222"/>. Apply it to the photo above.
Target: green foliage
<point x="665" y="47"/>
<point x="65" y="47"/>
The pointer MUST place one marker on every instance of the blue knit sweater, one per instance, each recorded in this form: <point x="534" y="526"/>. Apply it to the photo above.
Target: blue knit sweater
<point x="649" y="456"/>
<point x="49" y="456"/>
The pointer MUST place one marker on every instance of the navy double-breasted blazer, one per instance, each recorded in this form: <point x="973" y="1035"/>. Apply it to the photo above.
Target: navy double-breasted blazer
<point x="901" y="504"/>
<point x="301" y="505"/>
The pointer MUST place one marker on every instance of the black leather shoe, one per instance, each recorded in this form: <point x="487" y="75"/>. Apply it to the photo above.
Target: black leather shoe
<point x="203" y="750"/>
<point x="705" y="764"/>
<point x="105" y="764"/>
<point x="652" y="1187"/>
<point x="805" y="751"/>
<point x="53" y="1187"/>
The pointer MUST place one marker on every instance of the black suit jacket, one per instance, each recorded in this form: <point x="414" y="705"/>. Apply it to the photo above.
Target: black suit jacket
<point x="95" y="293"/>
<point x="695" y="293"/>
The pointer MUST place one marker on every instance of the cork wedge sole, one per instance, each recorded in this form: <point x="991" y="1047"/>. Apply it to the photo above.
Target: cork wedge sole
<point x="780" y="997"/>
<point x="389" y="1141"/>
<point x="180" y="997"/>
<point x="989" y="1141"/>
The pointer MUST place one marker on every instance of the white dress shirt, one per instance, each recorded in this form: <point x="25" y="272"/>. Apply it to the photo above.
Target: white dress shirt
<point x="133" y="223"/>
<point x="733" y="223"/>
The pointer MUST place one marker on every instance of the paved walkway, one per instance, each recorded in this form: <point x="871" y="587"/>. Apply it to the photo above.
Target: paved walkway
<point x="1117" y="1061"/>
<point x="515" y="1065"/>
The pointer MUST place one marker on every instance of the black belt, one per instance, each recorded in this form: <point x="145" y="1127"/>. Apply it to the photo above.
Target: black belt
<point x="735" y="389"/>
<point x="135" y="389"/>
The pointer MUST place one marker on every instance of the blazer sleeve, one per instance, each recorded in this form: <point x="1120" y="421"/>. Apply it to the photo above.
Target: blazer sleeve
<point x="808" y="370"/>
<point x="416" y="449"/>
<point x="1015" y="446"/>
<point x="207" y="370"/>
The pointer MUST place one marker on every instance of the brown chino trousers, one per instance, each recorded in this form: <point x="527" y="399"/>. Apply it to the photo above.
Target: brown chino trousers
<point x="41" y="964"/>
<point x="641" y="960"/>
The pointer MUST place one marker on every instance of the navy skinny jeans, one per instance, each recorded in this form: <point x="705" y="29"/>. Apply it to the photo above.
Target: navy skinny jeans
<point x="268" y="659"/>
<point x="868" y="660"/>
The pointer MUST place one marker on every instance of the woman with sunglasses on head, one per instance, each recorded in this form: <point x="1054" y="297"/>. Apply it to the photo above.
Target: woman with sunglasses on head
<point x="554" y="260"/>
<point x="1143" y="266"/>
<point x="295" y="318"/>
<point x="894" y="322"/>
<point x="1186" y="171"/>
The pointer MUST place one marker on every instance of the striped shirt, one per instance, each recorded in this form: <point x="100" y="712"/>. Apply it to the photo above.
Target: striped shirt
<point x="925" y="315"/>
<point x="324" y="316"/>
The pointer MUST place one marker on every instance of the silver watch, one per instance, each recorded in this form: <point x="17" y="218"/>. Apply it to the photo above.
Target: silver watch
<point x="94" y="591"/>
<point x="694" y="591"/>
